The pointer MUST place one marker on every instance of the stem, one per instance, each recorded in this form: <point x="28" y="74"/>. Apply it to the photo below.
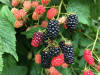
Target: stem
<point x="73" y="70"/>
<point x="95" y="39"/>
<point x="42" y="71"/>
<point x="62" y="36"/>
<point x="60" y="8"/>
<point x="89" y="45"/>
<point x="96" y="56"/>
<point x="52" y="7"/>
<point x="88" y="37"/>
<point x="64" y="5"/>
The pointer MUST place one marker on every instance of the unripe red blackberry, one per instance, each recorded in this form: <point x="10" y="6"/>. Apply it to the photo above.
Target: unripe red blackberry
<point x="88" y="72"/>
<point x="88" y="57"/>
<point x="45" y="59"/>
<point x="72" y="21"/>
<point x="37" y="39"/>
<point x="53" y="29"/>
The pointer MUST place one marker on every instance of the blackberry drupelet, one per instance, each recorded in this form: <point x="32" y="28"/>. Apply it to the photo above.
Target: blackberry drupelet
<point x="45" y="59"/>
<point x="53" y="29"/>
<point x="54" y="51"/>
<point x="72" y="21"/>
<point x="68" y="54"/>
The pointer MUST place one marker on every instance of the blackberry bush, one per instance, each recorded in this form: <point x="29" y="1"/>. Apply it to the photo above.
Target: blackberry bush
<point x="32" y="34"/>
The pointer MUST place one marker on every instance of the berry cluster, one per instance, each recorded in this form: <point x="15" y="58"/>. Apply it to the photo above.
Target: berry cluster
<point x="21" y="14"/>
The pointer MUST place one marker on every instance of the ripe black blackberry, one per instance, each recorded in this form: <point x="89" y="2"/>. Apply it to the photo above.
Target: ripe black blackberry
<point x="68" y="54"/>
<point x="72" y="21"/>
<point x="45" y="59"/>
<point x="62" y="45"/>
<point x="54" y="51"/>
<point x="45" y="37"/>
<point x="53" y="29"/>
<point x="45" y="43"/>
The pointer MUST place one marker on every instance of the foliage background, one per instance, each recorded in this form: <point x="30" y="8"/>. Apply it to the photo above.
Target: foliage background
<point x="15" y="43"/>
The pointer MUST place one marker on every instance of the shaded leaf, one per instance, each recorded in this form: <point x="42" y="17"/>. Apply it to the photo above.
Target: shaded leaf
<point x="36" y="69"/>
<point x="7" y="2"/>
<point x="81" y="7"/>
<point x="30" y="32"/>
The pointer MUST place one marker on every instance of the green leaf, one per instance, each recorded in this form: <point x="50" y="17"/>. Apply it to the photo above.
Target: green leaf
<point x="64" y="71"/>
<point x="81" y="7"/>
<point x="36" y="69"/>
<point x="11" y="68"/>
<point x="6" y="13"/>
<point x="84" y="42"/>
<point x="1" y="62"/>
<point x="7" y="35"/>
<point x="7" y="2"/>
<point x="82" y="62"/>
<point x="1" y="59"/>
<point x="29" y="33"/>
<point x="15" y="70"/>
<point x="95" y="9"/>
